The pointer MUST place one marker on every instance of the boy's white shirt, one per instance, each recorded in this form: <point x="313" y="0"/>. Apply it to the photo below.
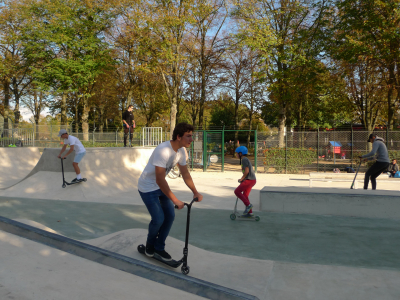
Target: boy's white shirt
<point x="165" y="157"/>
<point x="78" y="147"/>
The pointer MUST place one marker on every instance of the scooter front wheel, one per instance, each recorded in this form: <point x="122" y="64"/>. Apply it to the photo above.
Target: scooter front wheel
<point x="64" y="185"/>
<point x="185" y="270"/>
<point x="233" y="217"/>
<point x="257" y="218"/>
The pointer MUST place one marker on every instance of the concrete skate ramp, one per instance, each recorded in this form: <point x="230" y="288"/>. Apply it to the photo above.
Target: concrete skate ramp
<point x="124" y="263"/>
<point x="331" y="201"/>
<point x="16" y="164"/>
<point x="110" y="172"/>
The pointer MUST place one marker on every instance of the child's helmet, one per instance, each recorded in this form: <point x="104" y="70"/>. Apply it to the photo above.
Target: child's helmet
<point x="241" y="149"/>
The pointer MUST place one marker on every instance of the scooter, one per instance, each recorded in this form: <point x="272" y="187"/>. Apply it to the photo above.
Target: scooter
<point x="183" y="261"/>
<point x="65" y="183"/>
<point x="352" y="185"/>
<point x="240" y="216"/>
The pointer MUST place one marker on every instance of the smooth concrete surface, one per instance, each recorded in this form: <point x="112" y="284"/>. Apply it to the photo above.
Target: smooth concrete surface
<point x="16" y="163"/>
<point x="124" y="263"/>
<point x="266" y="279"/>
<point x="294" y="256"/>
<point x="328" y="201"/>
<point x="33" y="271"/>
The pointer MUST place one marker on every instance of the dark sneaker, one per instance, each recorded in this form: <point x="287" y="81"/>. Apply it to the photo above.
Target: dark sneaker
<point x="75" y="180"/>
<point x="149" y="250"/>
<point x="248" y="208"/>
<point x="164" y="255"/>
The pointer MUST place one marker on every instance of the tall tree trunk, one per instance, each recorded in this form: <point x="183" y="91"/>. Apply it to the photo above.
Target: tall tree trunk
<point x="237" y="98"/>
<point x="282" y="124"/>
<point x="101" y="111"/>
<point x="85" y="118"/>
<point x="6" y="90"/>
<point x="64" y="120"/>
<point x="390" y="102"/>
<point x="36" y="113"/>
<point x="174" y="110"/>
<point x="17" y="113"/>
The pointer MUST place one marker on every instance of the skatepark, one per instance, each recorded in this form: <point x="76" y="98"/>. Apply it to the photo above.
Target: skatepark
<point x="80" y="242"/>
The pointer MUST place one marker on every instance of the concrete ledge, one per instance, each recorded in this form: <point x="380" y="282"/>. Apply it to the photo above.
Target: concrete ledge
<point x="331" y="201"/>
<point x="161" y="275"/>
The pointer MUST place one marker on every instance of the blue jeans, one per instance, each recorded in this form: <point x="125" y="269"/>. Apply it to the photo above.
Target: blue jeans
<point x="162" y="213"/>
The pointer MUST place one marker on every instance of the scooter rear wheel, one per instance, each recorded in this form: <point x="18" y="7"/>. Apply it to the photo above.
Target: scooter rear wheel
<point x="185" y="270"/>
<point x="257" y="218"/>
<point x="233" y="217"/>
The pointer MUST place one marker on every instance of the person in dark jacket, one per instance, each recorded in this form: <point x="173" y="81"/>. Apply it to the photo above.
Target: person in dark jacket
<point x="379" y="151"/>
<point x="129" y="123"/>
<point x="393" y="168"/>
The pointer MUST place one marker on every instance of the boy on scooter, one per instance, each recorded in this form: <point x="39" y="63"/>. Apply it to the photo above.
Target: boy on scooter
<point x="80" y="151"/>
<point x="247" y="181"/>
<point x="155" y="191"/>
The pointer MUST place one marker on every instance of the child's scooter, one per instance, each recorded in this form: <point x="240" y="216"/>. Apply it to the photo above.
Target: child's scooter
<point x="176" y="263"/>
<point x="243" y="217"/>
<point x="65" y="183"/>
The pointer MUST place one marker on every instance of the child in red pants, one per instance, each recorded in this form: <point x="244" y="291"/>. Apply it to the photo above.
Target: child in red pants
<point x="247" y="181"/>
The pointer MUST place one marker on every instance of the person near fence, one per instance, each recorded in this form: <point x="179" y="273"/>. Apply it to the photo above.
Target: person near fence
<point x="379" y="151"/>
<point x="247" y="181"/>
<point x="155" y="192"/>
<point x="80" y="151"/>
<point x="393" y="168"/>
<point x="129" y="123"/>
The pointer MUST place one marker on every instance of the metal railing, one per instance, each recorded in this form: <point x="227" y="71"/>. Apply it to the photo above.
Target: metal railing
<point x="152" y="136"/>
<point x="17" y="137"/>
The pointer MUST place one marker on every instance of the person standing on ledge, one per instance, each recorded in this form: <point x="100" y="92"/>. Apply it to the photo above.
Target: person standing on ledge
<point x="382" y="160"/>
<point x="129" y="124"/>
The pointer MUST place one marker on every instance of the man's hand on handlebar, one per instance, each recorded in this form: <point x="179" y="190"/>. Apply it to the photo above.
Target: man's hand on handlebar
<point x="198" y="196"/>
<point x="179" y="204"/>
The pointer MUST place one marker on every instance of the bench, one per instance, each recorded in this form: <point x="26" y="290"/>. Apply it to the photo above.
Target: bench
<point x="345" y="177"/>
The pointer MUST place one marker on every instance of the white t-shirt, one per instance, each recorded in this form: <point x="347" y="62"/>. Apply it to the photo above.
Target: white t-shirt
<point x="78" y="147"/>
<point x="165" y="157"/>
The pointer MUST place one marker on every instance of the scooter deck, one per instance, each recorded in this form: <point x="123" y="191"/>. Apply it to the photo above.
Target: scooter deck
<point x="172" y="263"/>
<point x="70" y="183"/>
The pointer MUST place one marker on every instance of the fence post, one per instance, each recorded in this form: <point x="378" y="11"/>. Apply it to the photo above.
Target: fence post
<point x="352" y="144"/>
<point x="255" y="150"/>
<point x="116" y="137"/>
<point x="286" y="134"/>
<point x="317" y="147"/>
<point x="387" y="136"/>
<point x="223" y="149"/>
<point x="204" y="151"/>
<point x="94" y="129"/>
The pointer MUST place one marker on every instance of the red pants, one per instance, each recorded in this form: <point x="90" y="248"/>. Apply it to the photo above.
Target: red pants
<point x="243" y="191"/>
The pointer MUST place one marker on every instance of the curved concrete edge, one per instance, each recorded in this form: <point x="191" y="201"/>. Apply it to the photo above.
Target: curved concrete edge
<point x="95" y="159"/>
<point x="148" y="271"/>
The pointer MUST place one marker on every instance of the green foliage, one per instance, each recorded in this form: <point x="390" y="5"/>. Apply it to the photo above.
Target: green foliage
<point x="296" y="159"/>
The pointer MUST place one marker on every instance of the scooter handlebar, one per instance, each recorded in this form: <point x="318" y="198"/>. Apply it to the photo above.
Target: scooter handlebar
<point x="187" y="204"/>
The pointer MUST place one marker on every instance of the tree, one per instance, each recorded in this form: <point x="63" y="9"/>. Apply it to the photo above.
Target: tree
<point x="206" y="47"/>
<point x="14" y="68"/>
<point x="370" y="29"/>
<point x="286" y="34"/>
<point x="66" y="41"/>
